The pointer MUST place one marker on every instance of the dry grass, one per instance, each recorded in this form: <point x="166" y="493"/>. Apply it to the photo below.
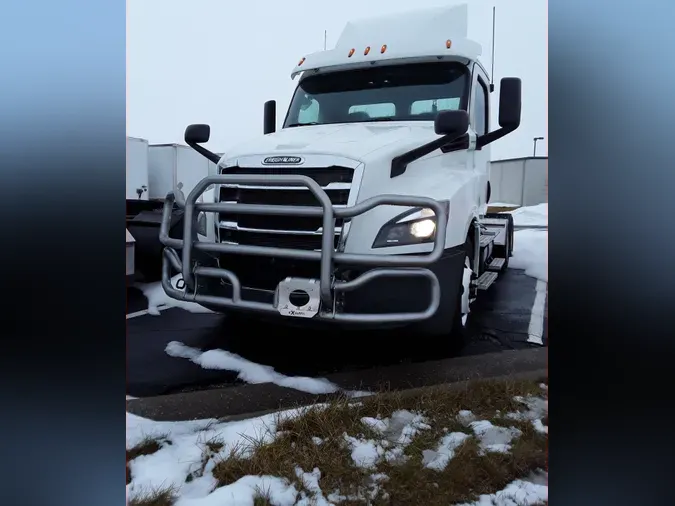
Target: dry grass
<point x="159" y="497"/>
<point x="467" y="475"/>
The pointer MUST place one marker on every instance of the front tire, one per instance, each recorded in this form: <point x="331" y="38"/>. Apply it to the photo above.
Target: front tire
<point x="454" y="337"/>
<point x="458" y="333"/>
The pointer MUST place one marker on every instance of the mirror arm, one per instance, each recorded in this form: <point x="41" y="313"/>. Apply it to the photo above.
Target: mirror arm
<point x="209" y="155"/>
<point x="400" y="163"/>
<point x="490" y="137"/>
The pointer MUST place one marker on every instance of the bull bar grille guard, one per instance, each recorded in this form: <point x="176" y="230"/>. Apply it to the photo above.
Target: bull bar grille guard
<point x="393" y="266"/>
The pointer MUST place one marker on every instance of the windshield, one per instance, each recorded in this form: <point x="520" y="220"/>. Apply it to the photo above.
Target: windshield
<point x="414" y="92"/>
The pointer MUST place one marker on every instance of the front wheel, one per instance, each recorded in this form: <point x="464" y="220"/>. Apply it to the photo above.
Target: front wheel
<point x="451" y="339"/>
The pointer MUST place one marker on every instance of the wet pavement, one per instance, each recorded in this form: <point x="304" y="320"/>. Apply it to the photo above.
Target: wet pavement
<point x="500" y="321"/>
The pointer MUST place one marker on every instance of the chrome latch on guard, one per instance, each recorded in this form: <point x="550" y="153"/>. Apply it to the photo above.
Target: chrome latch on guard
<point x="299" y="298"/>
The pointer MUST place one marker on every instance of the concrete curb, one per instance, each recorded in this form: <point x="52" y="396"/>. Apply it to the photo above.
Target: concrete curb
<point x="245" y="401"/>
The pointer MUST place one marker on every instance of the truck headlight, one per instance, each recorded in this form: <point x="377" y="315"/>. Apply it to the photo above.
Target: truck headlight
<point x="412" y="227"/>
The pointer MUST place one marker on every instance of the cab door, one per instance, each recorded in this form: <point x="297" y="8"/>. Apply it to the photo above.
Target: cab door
<point x="479" y="119"/>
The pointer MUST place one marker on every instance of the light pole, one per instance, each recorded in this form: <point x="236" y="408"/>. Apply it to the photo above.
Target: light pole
<point x="534" y="153"/>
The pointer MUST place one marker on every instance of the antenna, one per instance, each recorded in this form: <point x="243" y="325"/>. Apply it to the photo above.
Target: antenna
<point x="492" y="72"/>
<point x="325" y="34"/>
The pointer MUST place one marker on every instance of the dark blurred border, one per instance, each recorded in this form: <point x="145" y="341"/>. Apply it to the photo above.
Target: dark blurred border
<point x="62" y="111"/>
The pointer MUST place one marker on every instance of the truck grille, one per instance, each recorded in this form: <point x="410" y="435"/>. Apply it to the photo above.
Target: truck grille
<point x="293" y="232"/>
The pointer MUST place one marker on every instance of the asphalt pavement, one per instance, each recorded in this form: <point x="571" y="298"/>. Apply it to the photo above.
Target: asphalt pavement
<point x="501" y="320"/>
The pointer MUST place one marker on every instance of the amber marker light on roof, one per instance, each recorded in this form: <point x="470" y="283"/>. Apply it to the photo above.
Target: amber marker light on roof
<point x="383" y="48"/>
<point x="366" y="51"/>
<point x="351" y="52"/>
<point x="448" y="43"/>
<point x="301" y="62"/>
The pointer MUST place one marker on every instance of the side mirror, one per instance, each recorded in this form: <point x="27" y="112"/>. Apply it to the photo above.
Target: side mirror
<point x="451" y="122"/>
<point x="270" y="117"/>
<point x="197" y="134"/>
<point x="510" y="101"/>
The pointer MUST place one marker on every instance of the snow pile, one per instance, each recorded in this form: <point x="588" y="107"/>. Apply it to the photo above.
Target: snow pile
<point x="517" y="493"/>
<point x="530" y="253"/>
<point x="438" y="459"/>
<point x="397" y="432"/>
<point x="252" y="373"/>
<point x="244" y="491"/>
<point x="530" y="246"/>
<point x="493" y="438"/>
<point x="531" y="216"/>
<point x="158" y="299"/>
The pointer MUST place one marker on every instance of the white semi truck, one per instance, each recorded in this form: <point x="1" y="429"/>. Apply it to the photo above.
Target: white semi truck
<point x="369" y="206"/>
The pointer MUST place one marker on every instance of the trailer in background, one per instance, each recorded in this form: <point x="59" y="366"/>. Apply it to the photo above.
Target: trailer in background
<point x="173" y="167"/>
<point x="137" y="168"/>
<point x="519" y="181"/>
<point x="152" y="172"/>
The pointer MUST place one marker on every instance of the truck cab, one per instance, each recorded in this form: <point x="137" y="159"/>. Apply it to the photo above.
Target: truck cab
<point x="368" y="207"/>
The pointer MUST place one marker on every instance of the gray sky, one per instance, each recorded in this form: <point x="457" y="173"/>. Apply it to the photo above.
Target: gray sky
<point x="217" y="62"/>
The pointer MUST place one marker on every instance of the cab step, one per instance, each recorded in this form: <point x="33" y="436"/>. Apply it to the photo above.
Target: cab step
<point x="496" y="264"/>
<point x="486" y="279"/>
<point x="486" y="238"/>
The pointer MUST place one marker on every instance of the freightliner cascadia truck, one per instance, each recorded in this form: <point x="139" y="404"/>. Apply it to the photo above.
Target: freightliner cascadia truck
<point x="368" y="208"/>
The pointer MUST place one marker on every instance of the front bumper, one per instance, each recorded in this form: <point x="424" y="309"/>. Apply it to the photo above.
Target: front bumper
<point x="324" y="294"/>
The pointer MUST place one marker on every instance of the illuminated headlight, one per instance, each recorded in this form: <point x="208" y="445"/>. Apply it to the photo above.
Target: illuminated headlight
<point x="413" y="227"/>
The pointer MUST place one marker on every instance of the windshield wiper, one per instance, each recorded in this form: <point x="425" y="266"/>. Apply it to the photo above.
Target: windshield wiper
<point x="301" y="124"/>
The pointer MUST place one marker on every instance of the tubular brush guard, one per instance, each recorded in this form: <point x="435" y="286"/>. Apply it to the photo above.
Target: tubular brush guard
<point x="321" y="296"/>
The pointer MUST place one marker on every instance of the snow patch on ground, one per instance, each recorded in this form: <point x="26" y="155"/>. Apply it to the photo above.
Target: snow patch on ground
<point x="248" y="371"/>
<point x="530" y="216"/>
<point x="438" y="459"/>
<point x="184" y="452"/>
<point x="243" y="491"/>
<point x="530" y="253"/>
<point x="397" y="432"/>
<point x="157" y="298"/>
<point x="493" y="438"/>
<point x="465" y="417"/>
<point x="310" y="482"/>
<point x="537" y="408"/>
<point x="517" y="493"/>
<point x="530" y="246"/>
<point x="371" y="491"/>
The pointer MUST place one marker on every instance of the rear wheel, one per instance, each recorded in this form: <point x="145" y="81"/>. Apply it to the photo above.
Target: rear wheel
<point x="506" y="250"/>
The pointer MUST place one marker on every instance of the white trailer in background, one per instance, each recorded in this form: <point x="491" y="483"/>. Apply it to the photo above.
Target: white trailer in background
<point x="153" y="170"/>
<point x="137" y="168"/>
<point x="174" y="167"/>
<point x="369" y="206"/>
